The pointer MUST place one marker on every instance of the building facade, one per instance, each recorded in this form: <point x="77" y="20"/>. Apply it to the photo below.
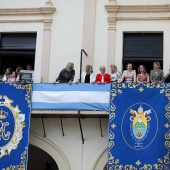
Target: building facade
<point x="100" y="27"/>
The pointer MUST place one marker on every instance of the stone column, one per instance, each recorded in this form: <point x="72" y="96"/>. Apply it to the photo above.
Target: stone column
<point x="46" y="41"/>
<point x="112" y="10"/>
<point x="88" y="31"/>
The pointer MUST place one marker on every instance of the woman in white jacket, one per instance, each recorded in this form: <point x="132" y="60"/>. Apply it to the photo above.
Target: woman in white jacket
<point x="88" y="76"/>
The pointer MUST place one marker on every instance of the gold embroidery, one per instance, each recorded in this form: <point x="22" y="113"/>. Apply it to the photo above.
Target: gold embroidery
<point x="163" y="163"/>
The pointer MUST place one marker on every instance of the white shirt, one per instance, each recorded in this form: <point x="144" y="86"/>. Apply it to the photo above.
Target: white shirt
<point x="92" y="77"/>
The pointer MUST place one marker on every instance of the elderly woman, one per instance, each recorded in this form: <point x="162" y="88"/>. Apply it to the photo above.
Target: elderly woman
<point x="115" y="75"/>
<point x="156" y="75"/>
<point x="102" y="77"/>
<point x="87" y="76"/>
<point x="67" y="74"/>
<point x="129" y="75"/>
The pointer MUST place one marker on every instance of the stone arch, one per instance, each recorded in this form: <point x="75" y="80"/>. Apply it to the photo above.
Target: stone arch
<point x="101" y="161"/>
<point x="53" y="150"/>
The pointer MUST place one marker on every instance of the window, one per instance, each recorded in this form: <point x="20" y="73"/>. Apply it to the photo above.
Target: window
<point x="142" y="48"/>
<point x="17" y="49"/>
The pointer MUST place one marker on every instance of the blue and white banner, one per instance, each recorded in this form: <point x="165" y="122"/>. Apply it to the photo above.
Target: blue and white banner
<point x="14" y="125"/>
<point x="71" y="97"/>
<point x="139" y="127"/>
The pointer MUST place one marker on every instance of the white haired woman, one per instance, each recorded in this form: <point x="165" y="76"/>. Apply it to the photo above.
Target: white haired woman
<point x="67" y="74"/>
<point x="102" y="77"/>
<point x="115" y="75"/>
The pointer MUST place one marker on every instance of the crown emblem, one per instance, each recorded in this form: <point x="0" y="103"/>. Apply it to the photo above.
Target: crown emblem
<point x="3" y="114"/>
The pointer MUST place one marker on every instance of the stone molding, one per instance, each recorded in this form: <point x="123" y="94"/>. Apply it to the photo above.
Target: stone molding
<point x="136" y="12"/>
<point x="27" y="11"/>
<point x="44" y="12"/>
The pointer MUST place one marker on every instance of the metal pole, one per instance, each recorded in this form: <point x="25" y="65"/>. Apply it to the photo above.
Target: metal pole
<point x="101" y="127"/>
<point x="43" y="126"/>
<point x="80" y="127"/>
<point x="82" y="51"/>
<point x="62" y="125"/>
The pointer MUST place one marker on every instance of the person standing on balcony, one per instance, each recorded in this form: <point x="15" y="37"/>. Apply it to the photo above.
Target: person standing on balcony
<point x="87" y="76"/>
<point x="13" y="77"/>
<point x="156" y="75"/>
<point x="67" y="74"/>
<point x="129" y="75"/>
<point x="102" y="77"/>
<point x="29" y="67"/>
<point x="115" y="75"/>
<point x="167" y="77"/>
<point x="143" y="76"/>
<point x="7" y="74"/>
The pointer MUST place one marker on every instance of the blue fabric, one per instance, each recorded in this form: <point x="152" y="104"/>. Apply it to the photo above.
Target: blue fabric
<point x="71" y="106"/>
<point x="71" y="87"/>
<point x="139" y="127"/>
<point x="14" y="125"/>
<point x="52" y="103"/>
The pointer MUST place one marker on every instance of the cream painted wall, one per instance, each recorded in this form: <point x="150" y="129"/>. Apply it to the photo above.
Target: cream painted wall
<point x="21" y="3"/>
<point x="100" y="43"/>
<point x="66" y="36"/>
<point x="80" y="156"/>
<point x="142" y="2"/>
<point x="142" y="26"/>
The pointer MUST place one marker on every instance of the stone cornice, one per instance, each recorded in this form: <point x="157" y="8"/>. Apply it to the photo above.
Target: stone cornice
<point x="28" y="11"/>
<point x="136" y="12"/>
<point x="44" y="14"/>
<point x="137" y="8"/>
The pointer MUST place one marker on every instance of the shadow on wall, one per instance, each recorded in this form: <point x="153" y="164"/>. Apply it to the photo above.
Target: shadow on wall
<point x="40" y="160"/>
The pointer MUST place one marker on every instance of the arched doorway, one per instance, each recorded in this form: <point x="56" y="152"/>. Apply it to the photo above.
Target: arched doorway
<point x="53" y="150"/>
<point x="101" y="162"/>
<point x="40" y="160"/>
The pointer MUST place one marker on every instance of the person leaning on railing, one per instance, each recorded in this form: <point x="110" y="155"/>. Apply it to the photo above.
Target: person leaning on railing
<point x="67" y="74"/>
<point x="115" y="75"/>
<point x="156" y="75"/>
<point x="87" y="76"/>
<point x="102" y="77"/>
<point x="129" y="75"/>
<point x="142" y="76"/>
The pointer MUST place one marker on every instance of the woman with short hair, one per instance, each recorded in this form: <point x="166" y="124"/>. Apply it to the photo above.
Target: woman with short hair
<point x="156" y="75"/>
<point x="67" y="74"/>
<point x="115" y="75"/>
<point x="102" y="77"/>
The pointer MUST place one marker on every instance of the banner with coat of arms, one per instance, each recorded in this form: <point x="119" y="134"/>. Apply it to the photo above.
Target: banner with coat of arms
<point x="139" y="127"/>
<point x="14" y="125"/>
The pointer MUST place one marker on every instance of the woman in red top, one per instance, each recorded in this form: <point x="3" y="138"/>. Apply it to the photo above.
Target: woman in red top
<point x="143" y="76"/>
<point x="102" y="77"/>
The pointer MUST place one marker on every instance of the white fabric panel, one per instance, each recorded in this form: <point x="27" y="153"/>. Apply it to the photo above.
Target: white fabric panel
<point x="71" y="96"/>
